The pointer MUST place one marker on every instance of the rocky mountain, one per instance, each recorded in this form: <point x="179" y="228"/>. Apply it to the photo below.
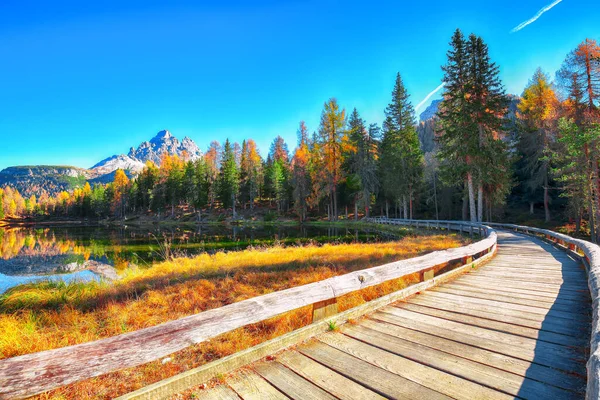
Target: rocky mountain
<point x="37" y="179"/>
<point x="53" y="179"/>
<point x="165" y="143"/>
<point x="427" y="124"/>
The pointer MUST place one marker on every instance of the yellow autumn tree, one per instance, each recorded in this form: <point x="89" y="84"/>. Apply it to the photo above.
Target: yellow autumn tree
<point x="120" y="188"/>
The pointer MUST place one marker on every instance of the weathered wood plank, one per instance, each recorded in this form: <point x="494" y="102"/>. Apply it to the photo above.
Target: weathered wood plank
<point x="293" y="385"/>
<point x="483" y="374"/>
<point x="517" y="366"/>
<point x="502" y="337"/>
<point x="520" y="318"/>
<point x="376" y="379"/>
<point x="250" y="386"/>
<point x="218" y="393"/>
<point x="432" y="378"/>
<point x="517" y="307"/>
<point x="547" y="359"/>
<point x="518" y="294"/>
<point x="531" y="333"/>
<point x="327" y="379"/>
<point x="576" y="308"/>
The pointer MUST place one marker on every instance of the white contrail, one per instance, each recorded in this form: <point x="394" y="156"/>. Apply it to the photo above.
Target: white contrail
<point x="437" y="89"/>
<point x="535" y="17"/>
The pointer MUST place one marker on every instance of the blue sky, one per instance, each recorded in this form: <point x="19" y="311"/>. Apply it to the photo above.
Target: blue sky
<point x="82" y="81"/>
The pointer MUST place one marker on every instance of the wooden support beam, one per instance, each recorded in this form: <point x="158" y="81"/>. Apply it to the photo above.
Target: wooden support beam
<point x="324" y="309"/>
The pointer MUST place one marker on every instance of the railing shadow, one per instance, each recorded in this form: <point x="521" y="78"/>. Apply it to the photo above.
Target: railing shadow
<point x="563" y="340"/>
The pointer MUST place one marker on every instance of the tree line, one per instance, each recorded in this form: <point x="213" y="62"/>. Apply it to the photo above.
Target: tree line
<point x="548" y="154"/>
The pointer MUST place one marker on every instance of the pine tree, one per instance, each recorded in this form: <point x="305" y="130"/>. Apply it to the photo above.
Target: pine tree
<point x="362" y="159"/>
<point x="228" y="178"/>
<point x="300" y="173"/>
<point x="472" y="118"/>
<point x="579" y="78"/>
<point x="331" y="134"/>
<point x="537" y="134"/>
<point x="401" y="162"/>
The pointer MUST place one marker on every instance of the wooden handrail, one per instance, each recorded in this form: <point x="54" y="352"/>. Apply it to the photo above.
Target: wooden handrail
<point x="589" y="254"/>
<point x="35" y="373"/>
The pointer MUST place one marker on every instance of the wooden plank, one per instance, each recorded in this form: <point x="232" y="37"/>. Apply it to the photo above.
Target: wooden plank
<point x="550" y="360"/>
<point x="38" y="372"/>
<point x="379" y="380"/>
<point x="520" y="318"/>
<point x="250" y="386"/>
<point x="327" y="379"/>
<point x="554" y="273"/>
<point x="516" y="366"/>
<point x="576" y="308"/>
<point x="531" y="333"/>
<point x="432" y="378"/>
<point x="533" y="310"/>
<point x="533" y="286"/>
<point x="517" y="293"/>
<point x="218" y="393"/>
<point x="482" y="374"/>
<point x="502" y="337"/>
<point x="538" y="278"/>
<point x="291" y="384"/>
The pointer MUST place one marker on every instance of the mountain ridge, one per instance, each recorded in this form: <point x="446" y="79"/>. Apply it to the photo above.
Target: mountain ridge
<point x="51" y="179"/>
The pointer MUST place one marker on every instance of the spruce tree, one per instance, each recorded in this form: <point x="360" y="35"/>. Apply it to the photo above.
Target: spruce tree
<point x="472" y="120"/>
<point x="228" y="177"/>
<point x="362" y="158"/>
<point x="401" y="158"/>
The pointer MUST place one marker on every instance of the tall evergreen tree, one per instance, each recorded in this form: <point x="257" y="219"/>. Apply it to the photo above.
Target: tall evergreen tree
<point x="472" y="119"/>
<point x="229" y="177"/>
<point x="401" y="161"/>
<point x="537" y="133"/>
<point x="363" y="158"/>
<point x="331" y="134"/>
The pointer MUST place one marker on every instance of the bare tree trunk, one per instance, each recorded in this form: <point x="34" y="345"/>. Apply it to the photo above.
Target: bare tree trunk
<point x="437" y="214"/>
<point x="387" y="209"/>
<point x="480" y="202"/>
<point x="531" y="207"/>
<point x="404" y="207"/>
<point x="465" y="206"/>
<point x="546" y="199"/>
<point x="472" y="210"/>
<point x="410" y="204"/>
<point x="356" y="210"/>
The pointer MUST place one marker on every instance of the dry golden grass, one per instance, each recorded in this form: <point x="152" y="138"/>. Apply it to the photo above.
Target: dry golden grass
<point x="46" y="316"/>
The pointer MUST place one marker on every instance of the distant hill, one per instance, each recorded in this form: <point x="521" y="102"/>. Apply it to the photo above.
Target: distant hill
<point x="37" y="179"/>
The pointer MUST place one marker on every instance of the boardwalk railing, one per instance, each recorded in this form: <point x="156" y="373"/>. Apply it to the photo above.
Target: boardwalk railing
<point x="589" y="254"/>
<point x="35" y="373"/>
<point x="586" y="252"/>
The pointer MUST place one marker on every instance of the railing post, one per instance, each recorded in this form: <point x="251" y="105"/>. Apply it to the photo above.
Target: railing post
<point x="427" y="275"/>
<point x="470" y="230"/>
<point x="324" y="309"/>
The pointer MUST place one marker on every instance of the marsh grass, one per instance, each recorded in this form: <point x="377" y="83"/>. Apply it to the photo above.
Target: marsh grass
<point x="49" y="315"/>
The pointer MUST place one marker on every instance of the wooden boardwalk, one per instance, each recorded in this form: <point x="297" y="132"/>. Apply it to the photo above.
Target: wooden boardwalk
<point x="516" y="328"/>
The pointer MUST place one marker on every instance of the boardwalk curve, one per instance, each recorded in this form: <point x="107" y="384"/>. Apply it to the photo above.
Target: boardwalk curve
<point x="516" y="328"/>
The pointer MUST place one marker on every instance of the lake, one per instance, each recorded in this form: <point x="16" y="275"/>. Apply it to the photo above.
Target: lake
<point x="94" y="253"/>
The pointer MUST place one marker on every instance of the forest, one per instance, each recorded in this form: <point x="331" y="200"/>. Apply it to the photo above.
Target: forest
<point x="483" y="164"/>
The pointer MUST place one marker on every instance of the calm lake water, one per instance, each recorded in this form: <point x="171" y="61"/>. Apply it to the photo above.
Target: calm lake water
<point x="94" y="253"/>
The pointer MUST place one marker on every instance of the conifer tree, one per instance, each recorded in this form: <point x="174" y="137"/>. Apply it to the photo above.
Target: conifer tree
<point x="300" y="173"/>
<point x="228" y="178"/>
<point x="537" y="134"/>
<point x="401" y="161"/>
<point x="472" y="118"/>
<point x="331" y="134"/>
<point x="362" y="158"/>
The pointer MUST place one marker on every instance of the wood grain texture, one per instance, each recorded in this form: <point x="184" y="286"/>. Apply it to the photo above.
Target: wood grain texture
<point x="31" y="374"/>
